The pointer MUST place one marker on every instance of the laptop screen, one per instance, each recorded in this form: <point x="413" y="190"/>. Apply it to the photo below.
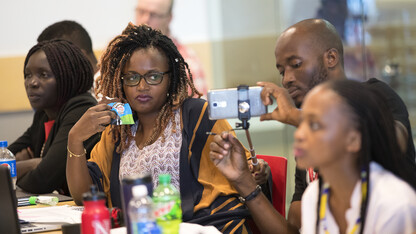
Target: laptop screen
<point x="9" y="222"/>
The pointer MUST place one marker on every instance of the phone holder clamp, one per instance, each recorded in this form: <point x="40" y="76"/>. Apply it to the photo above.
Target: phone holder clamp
<point x="243" y="106"/>
<point x="244" y="115"/>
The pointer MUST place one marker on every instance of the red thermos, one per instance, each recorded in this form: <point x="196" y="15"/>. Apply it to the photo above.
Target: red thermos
<point x="95" y="218"/>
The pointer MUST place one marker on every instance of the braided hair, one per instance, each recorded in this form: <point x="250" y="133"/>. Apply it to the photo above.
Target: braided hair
<point x="72" y="70"/>
<point x="115" y="58"/>
<point x="375" y="122"/>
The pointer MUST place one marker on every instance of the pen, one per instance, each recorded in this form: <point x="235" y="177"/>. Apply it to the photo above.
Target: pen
<point x="214" y="133"/>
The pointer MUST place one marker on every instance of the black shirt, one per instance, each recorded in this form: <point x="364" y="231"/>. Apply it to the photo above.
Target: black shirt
<point x="50" y="175"/>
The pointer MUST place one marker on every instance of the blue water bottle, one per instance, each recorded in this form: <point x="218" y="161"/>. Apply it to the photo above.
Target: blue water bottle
<point x="8" y="159"/>
<point x="141" y="213"/>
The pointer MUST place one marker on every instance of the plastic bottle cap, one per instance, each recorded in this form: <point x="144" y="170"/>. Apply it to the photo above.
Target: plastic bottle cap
<point x="32" y="200"/>
<point x="164" y="178"/>
<point x="139" y="190"/>
<point x="3" y="143"/>
<point x="93" y="194"/>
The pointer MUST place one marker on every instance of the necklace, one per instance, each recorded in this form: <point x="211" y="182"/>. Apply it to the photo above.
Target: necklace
<point x="41" y="151"/>
<point x="325" y="198"/>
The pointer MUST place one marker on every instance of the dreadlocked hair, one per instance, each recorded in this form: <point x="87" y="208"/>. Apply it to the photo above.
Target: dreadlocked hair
<point x="72" y="70"/>
<point x="117" y="55"/>
<point x="375" y="122"/>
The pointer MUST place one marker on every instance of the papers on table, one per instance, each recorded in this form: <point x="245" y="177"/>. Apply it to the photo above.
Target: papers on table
<point x="54" y="214"/>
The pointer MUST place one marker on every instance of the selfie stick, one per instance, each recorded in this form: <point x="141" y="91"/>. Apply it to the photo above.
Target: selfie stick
<point x="244" y="116"/>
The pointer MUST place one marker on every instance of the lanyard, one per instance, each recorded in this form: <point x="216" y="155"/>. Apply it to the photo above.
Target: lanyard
<point x="312" y="175"/>
<point x="325" y="198"/>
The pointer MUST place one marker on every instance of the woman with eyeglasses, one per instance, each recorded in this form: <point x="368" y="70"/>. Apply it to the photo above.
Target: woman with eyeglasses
<point x="366" y="184"/>
<point x="142" y="67"/>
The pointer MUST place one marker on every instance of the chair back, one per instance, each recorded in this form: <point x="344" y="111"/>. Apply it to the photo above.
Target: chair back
<point x="278" y="167"/>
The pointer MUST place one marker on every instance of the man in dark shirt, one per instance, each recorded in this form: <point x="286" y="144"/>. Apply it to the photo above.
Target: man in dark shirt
<point x="308" y="53"/>
<point x="74" y="32"/>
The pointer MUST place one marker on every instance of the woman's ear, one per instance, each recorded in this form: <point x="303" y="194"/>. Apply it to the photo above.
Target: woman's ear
<point x="353" y="141"/>
<point x="331" y="58"/>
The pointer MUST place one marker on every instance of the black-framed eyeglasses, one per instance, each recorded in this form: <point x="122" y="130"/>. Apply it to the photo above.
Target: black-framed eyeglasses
<point x="151" y="78"/>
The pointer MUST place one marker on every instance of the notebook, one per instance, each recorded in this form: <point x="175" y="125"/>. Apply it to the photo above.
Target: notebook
<point x="9" y="221"/>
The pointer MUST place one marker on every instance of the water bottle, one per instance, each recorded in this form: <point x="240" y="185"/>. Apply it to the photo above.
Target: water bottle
<point x="167" y="204"/>
<point x="141" y="214"/>
<point x="8" y="159"/>
<point x="127" y="184"/>
<point x="95" y="218"/>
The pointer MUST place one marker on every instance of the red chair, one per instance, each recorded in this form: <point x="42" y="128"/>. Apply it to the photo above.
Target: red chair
<point x="278" y="167"/>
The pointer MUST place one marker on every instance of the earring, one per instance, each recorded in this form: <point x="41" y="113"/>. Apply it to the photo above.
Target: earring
<point x="167" y="95"/>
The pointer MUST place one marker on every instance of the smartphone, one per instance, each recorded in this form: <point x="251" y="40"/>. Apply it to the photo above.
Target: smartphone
<point x="223" y="103"/>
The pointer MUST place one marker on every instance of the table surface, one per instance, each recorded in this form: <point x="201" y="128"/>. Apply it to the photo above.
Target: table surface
<point x="185" y="228"/>
<point x="71" y="203"/>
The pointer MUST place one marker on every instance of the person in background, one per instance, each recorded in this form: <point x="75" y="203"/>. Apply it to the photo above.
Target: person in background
<point x="365" y="184"/>
<point x="57" y="78"/>
<point x="336" y="12"/>
<point x="308" y="53"/>
<point x="158" y="15"/>
<point x="73" y="32"/>
<point x="142" y="67"/>
<point x="349" y="18"/>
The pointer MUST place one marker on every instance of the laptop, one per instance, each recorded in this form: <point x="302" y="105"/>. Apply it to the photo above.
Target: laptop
<point x="9" y="221"/>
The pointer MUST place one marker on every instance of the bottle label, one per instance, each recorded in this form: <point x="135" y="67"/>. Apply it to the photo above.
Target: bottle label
<point x="11" y="164"/>
<point x="145" y="228"/>
<point x="101" y="226"/>
<point x="169" y="210"/>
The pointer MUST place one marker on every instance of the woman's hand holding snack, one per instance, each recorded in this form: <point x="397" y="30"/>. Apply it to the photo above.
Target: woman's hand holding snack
<point x="94" y="120"/>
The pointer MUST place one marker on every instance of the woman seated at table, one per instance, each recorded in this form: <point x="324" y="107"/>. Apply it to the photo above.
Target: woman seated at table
<point x="142" y="67"/>
<point x="57" y="78"/>
<point x="365" y="185"/>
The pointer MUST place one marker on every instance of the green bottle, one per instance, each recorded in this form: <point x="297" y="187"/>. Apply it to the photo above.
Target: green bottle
<point x="167" y="203"/>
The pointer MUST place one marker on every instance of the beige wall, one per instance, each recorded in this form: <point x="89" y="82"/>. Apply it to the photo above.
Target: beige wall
<point x="239" y="66"/>
<point x="12" y="91"/>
